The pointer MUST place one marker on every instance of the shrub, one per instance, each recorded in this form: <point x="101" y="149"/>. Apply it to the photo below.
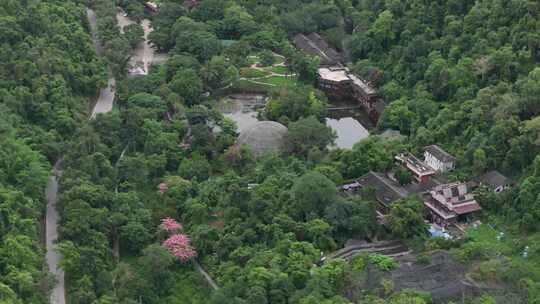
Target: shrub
<point x="382" y="262"/>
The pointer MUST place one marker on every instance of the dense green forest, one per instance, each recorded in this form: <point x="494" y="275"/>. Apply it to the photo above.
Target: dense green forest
<point x="157" y="188"/>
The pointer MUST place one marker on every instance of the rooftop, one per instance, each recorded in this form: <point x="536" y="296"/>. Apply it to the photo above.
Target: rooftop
<point x="313" y="44"/>
<point x="339" y="73"/>
<point x="264" y="137"/>
<point x="439" y="153"/>
<point x="456" y="197"/>
<point x="334" y="74"/>
<point x="386" y="191"/>
<point x="493" y="179"/>
<point x="414" y="164"/>
<point x="362" y="84"/>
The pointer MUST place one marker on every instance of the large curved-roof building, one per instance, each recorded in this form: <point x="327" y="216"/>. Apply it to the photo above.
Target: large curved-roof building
<point x="264" y="137"/>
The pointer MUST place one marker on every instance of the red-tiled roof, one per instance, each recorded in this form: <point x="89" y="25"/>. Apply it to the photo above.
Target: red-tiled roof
<point x="467" y="208"/>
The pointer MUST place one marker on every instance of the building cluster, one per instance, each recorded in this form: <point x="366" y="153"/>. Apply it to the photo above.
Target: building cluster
<point x="340" y="83"/>
<point x="337" y="81"/>
<point x="446" y="204"/>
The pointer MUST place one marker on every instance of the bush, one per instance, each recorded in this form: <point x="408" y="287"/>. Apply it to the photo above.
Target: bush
<point x="267" y="58"/>
<point x="382" y="262"/>
<point x="470" y="251"/>
<point x="423" y="259"/>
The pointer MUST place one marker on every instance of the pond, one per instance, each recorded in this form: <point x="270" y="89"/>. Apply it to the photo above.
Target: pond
<point x="242" y="108"/>
<point x="349" y="122"/>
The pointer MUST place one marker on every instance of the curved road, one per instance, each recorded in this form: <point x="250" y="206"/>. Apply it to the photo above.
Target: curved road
<point x="104" y="104"/>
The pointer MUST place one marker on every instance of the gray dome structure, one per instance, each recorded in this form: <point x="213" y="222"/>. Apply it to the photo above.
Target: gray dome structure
<point x="264" y="137"/>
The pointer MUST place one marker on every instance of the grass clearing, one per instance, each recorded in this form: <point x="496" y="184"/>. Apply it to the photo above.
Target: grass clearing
<point x="281" y="70"/>
<point x="253" y="59"/>
<point x="279" y="80"/>
<point x="253" y="73"/>
<point x="245" y="85"/>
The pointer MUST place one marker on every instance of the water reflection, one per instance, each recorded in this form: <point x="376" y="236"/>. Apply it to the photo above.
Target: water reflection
<point x="348" y="130"/>
<point x="242" y="109"/>
<point x="349" y="122"/>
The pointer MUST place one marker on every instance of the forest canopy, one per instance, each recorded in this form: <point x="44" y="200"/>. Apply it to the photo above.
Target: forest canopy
<point x="159" y="203"/>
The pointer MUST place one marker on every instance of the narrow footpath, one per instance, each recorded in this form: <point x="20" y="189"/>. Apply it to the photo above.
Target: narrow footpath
<point x="145" y="54"/>
<point x="206" y="276"/>
<point x="51" y="232"/>
<point x="104" y="104"/>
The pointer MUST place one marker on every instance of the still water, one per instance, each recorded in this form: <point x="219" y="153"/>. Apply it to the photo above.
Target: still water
<point x="348" y="130"/>
<point x="350" y="124"/>
<point x="242" y="109"/>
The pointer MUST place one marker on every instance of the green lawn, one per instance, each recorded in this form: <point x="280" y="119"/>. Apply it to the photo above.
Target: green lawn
<point x="279" y="80"/>
<point x="252" y="73"/>
<point x="246" y="85"/>
<point x="253" y="59"/>
<point x="281" y="70"/>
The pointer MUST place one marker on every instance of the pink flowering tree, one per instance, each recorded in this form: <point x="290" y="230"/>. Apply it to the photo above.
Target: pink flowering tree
<point x="180" y="246"/>
<point x="170" y="225"/>
<point x="177" y="243"/>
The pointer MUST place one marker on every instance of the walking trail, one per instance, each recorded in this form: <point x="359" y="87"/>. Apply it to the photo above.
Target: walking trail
<point x="104" y="104"/>
<point x="145" y="54"/>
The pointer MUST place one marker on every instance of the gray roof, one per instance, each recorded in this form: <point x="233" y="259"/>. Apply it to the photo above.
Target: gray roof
<point x="386" y="190"/>
<point x="439" y="153"/>
<point x="313" y="44"/>
<point x="264" y="137"/>
<point x="493" y="179"/>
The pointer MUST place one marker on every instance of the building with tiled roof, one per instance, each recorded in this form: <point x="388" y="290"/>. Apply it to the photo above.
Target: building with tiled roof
<point x="448" y="204"/>
<point x="438" y="159"/>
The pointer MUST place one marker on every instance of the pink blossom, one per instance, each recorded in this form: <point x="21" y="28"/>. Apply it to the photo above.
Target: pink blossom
<point x="170" y="225"/>
<point x="177" y="240"/>
<point x="179" y="245"/>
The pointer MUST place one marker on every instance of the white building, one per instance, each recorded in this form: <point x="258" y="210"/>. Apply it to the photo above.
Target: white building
<point x="438" y="159"/>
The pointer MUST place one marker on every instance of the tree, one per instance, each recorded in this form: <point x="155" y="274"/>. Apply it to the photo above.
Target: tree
<point x="291" y="104"/>
<point x="313" y="192"/>
<point x="305" y="67"/>
<point x="194" y="38"/>
<point x="307" y="133"/>
<point x="217" y="73"/>
<point x="382" y="29"/>
<point x="398" y="116"/>
<point x="403" y="176"/>
<point x="134" y="34"/>
<point x="351" y="218"/>
<point x="479" y="161"/>
<point x="267" y="58"/>
<point x="156" y="263"/>
<point x="187" y="84"/>
<point x="237" y="22"/>
<point x="196" y="167"/>
<point x="405" y="218"/>
<point x="529" y="93"/>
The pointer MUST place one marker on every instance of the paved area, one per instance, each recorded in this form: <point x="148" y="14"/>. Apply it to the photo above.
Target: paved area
<point x="51" y="232"/>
